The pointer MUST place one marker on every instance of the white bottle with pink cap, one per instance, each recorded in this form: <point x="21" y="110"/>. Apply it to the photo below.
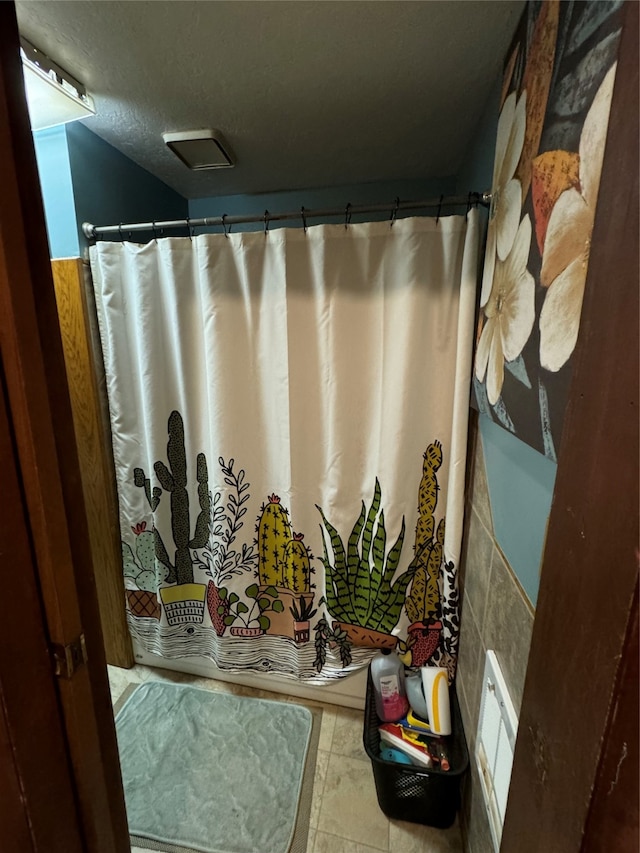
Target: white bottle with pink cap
<point x="387" y="674"/>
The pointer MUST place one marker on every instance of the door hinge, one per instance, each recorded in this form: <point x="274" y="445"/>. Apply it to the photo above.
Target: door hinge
<point x="69" y="658"/>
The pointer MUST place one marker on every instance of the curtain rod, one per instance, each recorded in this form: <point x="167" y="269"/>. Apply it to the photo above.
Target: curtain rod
<point x="473" y="199"/>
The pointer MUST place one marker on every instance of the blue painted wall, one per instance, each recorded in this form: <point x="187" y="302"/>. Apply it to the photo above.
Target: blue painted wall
<point x="476" y="172"/>
<point x="109" y="188"/>
<point x="521" y="482"/>
<point x="284" y="202"/>
<point x="84" y="179"/>
<point x="520" y="479"/>
<point x="52" y="155"/>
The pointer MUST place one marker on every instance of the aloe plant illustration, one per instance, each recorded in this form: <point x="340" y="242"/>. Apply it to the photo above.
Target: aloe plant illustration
<point x="304" y="611"/>
<point x="173" y="480"/>
<point x="359" y="587"/>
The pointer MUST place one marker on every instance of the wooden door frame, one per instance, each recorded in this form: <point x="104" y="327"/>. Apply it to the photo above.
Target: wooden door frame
<point x="95" y="457"/>
<point x="564" y="719"/>
<point x="583" y="645"/>
<point x="30" y="818"/>
<point x="40" y="414"/>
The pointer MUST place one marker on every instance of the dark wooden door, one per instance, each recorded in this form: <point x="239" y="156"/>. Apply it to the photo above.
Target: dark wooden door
<point x="50" y="518"/>
<point x="34" y="759"/>
<point x="575" y="772"/>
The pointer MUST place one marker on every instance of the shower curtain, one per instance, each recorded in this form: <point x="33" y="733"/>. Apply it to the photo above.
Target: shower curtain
<point x="289" y="419"/>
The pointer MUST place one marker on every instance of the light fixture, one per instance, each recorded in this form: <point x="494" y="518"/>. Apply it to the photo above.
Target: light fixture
<point x="53" y="95"/>
<point x="200" y="149"/>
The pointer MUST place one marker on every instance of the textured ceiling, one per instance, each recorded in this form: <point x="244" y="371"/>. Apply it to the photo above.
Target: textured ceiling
<point x="308" y="94"/>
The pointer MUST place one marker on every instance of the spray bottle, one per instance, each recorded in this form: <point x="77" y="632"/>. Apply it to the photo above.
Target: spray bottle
<point x="387" y="674"/>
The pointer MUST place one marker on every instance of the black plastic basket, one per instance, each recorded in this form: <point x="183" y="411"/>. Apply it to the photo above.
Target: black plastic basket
<point x="408" y="792"/>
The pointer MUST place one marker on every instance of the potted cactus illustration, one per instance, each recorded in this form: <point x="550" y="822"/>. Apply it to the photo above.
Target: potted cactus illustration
<point x="423" y="600"/>
<point x="274" y="533"/>
<point x="141" y="573"/>
<point x="302" y="613"/>
<point x="284" y="561"/>
<point x="359" y="589"/>
<point x="296" y="572"/>
<point x="254" y="619"/>
<point x="184" y="600"/>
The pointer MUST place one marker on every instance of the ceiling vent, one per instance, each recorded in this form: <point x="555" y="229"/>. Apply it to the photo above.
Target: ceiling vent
<point x="200" y="149"/>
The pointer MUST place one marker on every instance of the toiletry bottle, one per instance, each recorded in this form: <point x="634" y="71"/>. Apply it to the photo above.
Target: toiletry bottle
<point x="436" y="693"/>
<point x="387" y="674"/>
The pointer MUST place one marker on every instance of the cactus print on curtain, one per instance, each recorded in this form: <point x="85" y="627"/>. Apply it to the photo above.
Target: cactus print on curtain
<point x="289" y="417"/>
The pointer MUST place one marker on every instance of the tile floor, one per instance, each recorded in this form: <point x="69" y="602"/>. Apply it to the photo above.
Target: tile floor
<point x="345" y="816"/>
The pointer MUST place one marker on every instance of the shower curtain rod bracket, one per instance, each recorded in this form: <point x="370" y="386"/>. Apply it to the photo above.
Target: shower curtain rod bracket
<point x="475" y="199"/>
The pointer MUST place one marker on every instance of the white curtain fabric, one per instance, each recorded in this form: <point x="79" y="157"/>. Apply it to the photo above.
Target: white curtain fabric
<point x="264" y="386"/>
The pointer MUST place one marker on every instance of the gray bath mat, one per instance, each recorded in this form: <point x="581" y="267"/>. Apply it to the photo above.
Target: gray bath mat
<point x="215" y="773"/>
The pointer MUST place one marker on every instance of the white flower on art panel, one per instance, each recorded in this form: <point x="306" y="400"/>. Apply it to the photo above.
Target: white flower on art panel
<point x="506" y="191"/>
<point x="509" y="314"/>
<point x="568" y="241"/>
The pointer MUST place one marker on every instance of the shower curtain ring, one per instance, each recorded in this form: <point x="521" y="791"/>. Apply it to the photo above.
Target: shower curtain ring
<point x="304" y="219"/>
<point x="189" y="229"/>
<point x="439" y="209"/>
<point x="266" y="222"/>
<point x="120" y="233"/>
<point x="155" y="235"/>
<point x="224" y="225"/>
<point x="347" y="216"/>
<point x="469" y="203"/>
<point x="394" y="212"/>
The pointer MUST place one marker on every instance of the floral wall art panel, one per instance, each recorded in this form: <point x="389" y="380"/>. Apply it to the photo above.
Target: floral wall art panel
<point x="552" y="129"/>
